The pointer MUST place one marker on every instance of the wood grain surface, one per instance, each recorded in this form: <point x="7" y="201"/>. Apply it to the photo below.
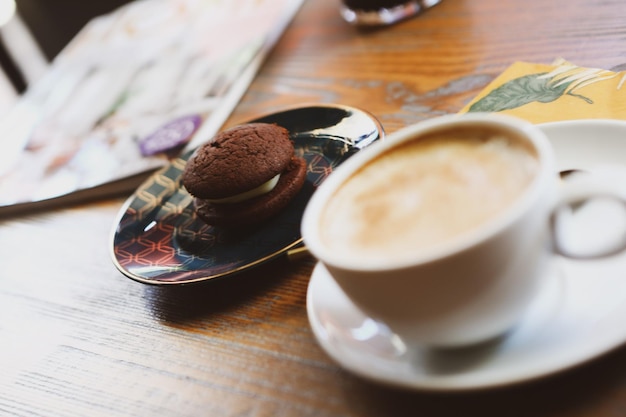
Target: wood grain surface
<point x="77" y="338"/>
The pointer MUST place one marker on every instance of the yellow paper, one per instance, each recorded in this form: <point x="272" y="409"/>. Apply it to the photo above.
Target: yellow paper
<point x="543" y="93"/>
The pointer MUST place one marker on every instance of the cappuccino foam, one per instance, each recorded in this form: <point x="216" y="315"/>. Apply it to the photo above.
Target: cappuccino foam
<point x="426" y="193"/>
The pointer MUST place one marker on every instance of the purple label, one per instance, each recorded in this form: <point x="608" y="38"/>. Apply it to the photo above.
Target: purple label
<point x="170" y="135"/>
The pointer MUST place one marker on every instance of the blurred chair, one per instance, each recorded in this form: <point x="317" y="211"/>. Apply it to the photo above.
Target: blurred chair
<point x="21" y="60"/>
<point x="33" y="32"/>
<point x="53" y="23"/>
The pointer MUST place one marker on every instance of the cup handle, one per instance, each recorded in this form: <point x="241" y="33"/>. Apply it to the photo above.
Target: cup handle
<point x="608" y="194"/>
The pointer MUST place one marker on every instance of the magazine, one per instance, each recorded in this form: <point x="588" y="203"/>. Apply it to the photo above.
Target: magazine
<point x="132" y="90"/>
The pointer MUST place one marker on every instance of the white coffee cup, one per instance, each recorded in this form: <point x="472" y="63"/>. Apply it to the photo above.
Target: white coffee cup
<point x="472" y="285"/>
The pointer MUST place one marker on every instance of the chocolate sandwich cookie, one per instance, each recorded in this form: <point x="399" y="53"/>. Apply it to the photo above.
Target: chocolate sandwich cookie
<point x="245" y="175"/>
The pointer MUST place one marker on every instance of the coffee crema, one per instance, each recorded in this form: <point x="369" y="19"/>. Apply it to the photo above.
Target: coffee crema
<point x="426" y="193"/>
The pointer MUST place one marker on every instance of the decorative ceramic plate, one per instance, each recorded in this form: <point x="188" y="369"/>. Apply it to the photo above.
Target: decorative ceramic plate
<point x="158" y="239"/>
<point x="577" y="316"/>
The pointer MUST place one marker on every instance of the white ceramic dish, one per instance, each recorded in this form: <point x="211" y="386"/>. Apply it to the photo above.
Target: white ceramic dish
<point x="577" y="316"/>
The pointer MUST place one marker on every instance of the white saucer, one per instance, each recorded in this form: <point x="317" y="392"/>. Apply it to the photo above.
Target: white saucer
<point x="578" y="315"/>
<point x="587" y="144"/>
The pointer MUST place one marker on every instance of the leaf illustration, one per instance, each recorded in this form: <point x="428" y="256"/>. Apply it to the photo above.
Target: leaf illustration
<point x="520" y="91"/>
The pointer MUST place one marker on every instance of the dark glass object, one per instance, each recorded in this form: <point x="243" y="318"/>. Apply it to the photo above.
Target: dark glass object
<point x="382" y="12"/>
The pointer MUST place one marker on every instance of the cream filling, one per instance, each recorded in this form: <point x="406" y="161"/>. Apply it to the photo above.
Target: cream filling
<point x="264" y="188"/>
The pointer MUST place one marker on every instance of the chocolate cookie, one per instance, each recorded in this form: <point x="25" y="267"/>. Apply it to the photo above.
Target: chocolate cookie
<point x="238" y="160"/>
<point x="245" y="175"/>
<point x="259" y="208"/>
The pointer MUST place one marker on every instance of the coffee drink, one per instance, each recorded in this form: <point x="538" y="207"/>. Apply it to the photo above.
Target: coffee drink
<point x="443" y="231"/>
<point x="427" y="192"/>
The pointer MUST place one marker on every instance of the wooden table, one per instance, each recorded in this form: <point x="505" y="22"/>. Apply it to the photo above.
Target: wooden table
<point x="77" y="338"/>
